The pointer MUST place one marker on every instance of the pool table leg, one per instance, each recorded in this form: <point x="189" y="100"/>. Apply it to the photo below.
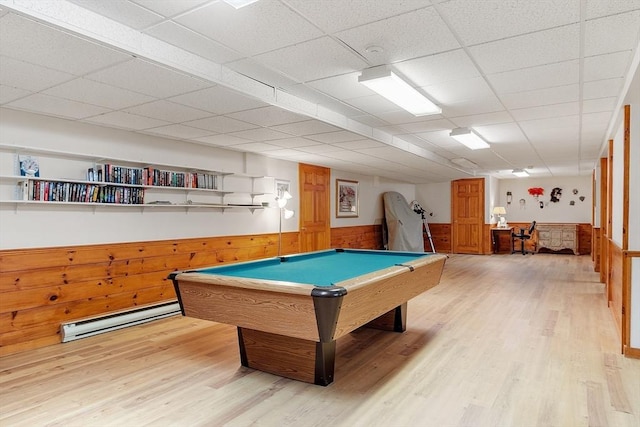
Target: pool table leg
<point x="393" y="320"/>
<point x="290" y="357"/>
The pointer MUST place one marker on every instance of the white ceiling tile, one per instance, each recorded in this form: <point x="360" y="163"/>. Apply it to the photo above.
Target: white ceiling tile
<point x="556" y="95"/>
<point x="268" y="116"/>
<point x="123" y="120"/>
<point x="373" y="104"/>
<point x="529" y="50"/>
<point x="607" y="66"/>
<point x="56" y="106"/>
<point x="20" y="74"/>
<point x="336" y="15"/>
<point x="503" y="134"/>
<point x="439" y="68"/>
<point x="612" y="34"/>
<point x="482" y="119"/>
<point x="553" y="131"/>
<point x="261" y="134"/>
<point x="403" y="36"/>
<point x="170" y="7"/>
<point x="124" y="12"/>
<point x="321" y="149"/>
<point x="284" y="153"/>
<point x="482" y="21"/>
<point x="458" y="90"/>
<point x="256" y="147"/>
<point x="597" y="9"/>
<point x="294" y="142"/>
<point x="222" y="140"/>
<point x="90" y="92"/>
<point x="149" y="79"/>
<point x="35" y="43"/>
<point x="473" y="107"/>
<point x="426" y="126"/>
<point x="544" y="76"/>
<point x="8" y="94"/>
<point x="178" y="131"/>
<point x="193" y="42"/>
<point x="602" y="88"/>
<point x="402" y="116"/>
<point x="217" y="100"/>
<point x="369" y="120"/>
<point x="335" y="137"/>
<point x="313" y="59"/>
<point x="359" y="145"/>
<point x="167" y="111"/>
<point x="342" y="87"/>
<point x="598" y="105"/>
<point x="261" y="73"/>
<point x="308" y="127"/>
<point x="220" y="124"/>
<point x="274" y="24"/>
<point x="547" y="111"/>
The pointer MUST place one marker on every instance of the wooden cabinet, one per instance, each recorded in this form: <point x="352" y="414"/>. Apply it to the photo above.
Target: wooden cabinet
<point x="558" y="236"/>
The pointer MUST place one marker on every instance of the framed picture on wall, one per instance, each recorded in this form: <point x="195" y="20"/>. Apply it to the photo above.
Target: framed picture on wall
<point x="282" y="186"/>
<point x="346" y="198"/>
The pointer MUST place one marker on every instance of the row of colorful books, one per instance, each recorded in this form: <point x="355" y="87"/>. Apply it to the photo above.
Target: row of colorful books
<point x="152" y="176"/>
<point x="59" y="191"/>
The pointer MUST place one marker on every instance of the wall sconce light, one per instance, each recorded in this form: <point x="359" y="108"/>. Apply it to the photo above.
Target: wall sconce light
<point x="282" y="200"/>
<point x="469" y="138"/>
<point x="509" y="198"/>
<point x="386" y="83"/>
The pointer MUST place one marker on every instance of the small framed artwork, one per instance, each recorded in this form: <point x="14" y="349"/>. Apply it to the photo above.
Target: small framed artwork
<point x="346" y="198"/>
<point x="282" y="186"/>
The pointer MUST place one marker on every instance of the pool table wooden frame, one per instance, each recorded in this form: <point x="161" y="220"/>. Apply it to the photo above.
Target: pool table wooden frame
<point x="290" y="329"/>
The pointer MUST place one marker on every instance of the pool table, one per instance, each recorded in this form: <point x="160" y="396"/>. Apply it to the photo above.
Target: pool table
<point x="290" y="310"/>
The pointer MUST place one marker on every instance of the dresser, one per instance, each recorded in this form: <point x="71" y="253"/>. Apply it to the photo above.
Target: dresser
<point x="558" y="236"/>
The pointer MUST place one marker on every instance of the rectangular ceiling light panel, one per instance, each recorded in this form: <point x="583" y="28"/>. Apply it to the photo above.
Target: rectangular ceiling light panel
<point x="386" y="83"/>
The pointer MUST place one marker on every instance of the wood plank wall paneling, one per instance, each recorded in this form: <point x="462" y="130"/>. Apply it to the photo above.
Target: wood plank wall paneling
<point x="358" y="237"/>
<point x="616" y="284"/>
<point x="441" y="236"/>
<point x="42" y="288"/>
<point x="595" y="248"/>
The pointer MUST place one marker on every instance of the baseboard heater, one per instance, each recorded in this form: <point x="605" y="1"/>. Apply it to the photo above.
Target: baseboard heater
<point x="71" y="331"/>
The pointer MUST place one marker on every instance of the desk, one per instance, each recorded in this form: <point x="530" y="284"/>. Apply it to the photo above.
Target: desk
<point x="496" y="232"/>
<point x="290" y="310"/>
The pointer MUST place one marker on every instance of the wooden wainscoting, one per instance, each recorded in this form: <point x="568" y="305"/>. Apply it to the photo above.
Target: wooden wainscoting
<point x="616" y="286"/>
<point x="358" y="237"/>
<point x="595" y="248"/>
<point x="441" y="236"/>
<point x="41" y="288"/>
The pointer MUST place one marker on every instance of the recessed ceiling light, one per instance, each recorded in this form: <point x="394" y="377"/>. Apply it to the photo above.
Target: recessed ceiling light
<point x="520" y="173"/>
<point x="239" y="3"/>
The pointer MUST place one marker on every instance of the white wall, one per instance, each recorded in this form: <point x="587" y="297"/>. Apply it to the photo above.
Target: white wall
<point x="559" y="212"/>
<point x="436" y="201"/>
<point x="370" y="190"/>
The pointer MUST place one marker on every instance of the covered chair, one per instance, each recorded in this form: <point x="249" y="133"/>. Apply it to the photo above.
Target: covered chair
<point x="523" y="235"/>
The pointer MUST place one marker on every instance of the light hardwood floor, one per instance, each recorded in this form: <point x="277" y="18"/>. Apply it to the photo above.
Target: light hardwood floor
<point x="504" y="340"/>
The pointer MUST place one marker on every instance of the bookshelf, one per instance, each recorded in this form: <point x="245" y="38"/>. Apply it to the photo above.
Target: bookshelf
<point x="89" y="180"/>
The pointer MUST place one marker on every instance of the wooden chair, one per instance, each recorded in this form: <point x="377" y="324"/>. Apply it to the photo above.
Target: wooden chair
<point x="523" y="235"/>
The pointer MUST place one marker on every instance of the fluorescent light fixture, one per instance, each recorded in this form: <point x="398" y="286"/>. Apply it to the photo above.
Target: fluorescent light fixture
<point x="386" y="83"/>
<point x="469" y="138"/>
<point x="520" y="173"/>
<point x="239" y="3"/>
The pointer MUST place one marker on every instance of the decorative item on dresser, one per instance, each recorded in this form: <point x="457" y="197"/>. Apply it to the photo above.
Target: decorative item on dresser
<point x="558" y="236"/>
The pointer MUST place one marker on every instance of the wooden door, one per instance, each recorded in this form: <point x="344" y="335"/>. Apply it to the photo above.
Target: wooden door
<point x="467" y="216"/>
<point x="315" y="219"/>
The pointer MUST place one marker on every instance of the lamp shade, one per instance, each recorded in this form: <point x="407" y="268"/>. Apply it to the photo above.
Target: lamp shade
<point x="499" y="210"/>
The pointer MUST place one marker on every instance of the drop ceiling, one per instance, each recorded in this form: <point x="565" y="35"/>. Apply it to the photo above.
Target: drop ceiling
<point x="539" y="80"/>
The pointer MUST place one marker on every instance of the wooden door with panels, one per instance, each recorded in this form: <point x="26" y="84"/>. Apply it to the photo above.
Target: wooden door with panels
<point x="467" y="216"/>
<point x="315" y="214"/>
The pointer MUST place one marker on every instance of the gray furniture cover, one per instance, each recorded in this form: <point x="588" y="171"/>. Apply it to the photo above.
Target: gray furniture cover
<point x="404" y="226"/>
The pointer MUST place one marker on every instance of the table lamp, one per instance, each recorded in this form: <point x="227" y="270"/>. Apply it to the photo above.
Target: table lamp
<point x="500" y="212"/>
<point x="282" y="200"/>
